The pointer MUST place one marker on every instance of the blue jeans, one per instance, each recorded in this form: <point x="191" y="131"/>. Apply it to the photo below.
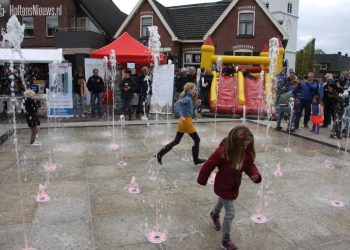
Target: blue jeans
<point x="126" y="107"/>
<point x="281" y="110"/>
<point x="228" y="218"/>
<point x="78" y="104"/>
<point x="97" y="96"/>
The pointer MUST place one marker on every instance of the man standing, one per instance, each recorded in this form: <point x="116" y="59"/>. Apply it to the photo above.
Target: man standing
<point x="127" y="88"/>
<point x="144" y="89"/>
<point x="308" y="89"/>
<point x="96" y="86"/>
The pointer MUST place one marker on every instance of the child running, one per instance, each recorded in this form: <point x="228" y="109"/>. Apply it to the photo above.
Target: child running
<point x="184" y="108"/>
<point x="234" y="156"/>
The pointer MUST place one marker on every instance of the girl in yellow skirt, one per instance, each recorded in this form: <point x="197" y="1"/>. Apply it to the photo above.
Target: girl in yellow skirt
<point x="184" y="108"/>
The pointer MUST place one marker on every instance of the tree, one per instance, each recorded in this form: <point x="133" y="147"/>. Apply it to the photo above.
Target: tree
<point x="305" y="58"/>
<point x="319" y="52"/>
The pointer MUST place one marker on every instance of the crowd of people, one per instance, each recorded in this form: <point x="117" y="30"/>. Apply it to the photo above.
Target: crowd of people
<point x="325" y="101"/>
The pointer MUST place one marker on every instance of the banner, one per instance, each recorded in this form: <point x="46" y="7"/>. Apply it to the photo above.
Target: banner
<point x="60" y="96"/>
<point x="162" y="89"/>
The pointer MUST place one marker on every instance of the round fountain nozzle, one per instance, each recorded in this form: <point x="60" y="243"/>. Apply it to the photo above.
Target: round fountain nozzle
<point x="259" y="218"/>
<point x="156" y="237"/>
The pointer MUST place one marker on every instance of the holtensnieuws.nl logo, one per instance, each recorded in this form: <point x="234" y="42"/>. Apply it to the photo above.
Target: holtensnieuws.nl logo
<point x="2" y="11"/>
<point x="34" y="10"/>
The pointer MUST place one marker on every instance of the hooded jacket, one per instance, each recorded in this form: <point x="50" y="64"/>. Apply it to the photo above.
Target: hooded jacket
<point x="228" y="179"/>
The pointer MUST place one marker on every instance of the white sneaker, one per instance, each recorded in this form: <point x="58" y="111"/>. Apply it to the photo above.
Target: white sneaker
<point x="36" y="143"/>
<point x="82" y="115"/>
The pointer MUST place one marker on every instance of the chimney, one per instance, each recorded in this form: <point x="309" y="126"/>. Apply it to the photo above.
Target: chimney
<point x="339" y="53"/>
<point x="346" y="55"/>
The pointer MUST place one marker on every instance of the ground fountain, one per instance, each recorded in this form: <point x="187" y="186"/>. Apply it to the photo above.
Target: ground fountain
<point x="259" y="217"/>
<point x="156" y="235"/>
<point x="13" y="38"/>
<point x="121" y="162"/>
<point x="218" y="72"/>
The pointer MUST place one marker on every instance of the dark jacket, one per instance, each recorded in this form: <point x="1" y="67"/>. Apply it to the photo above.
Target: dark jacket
<point x="77" y="84"/>
<point x="127" y="88"/>
<point x="228" y="180"/>
<point x="180" y="83"/>
<point x="32" y="107"/>
<point x="142" y="85"/>
<point x="95" y="84"/>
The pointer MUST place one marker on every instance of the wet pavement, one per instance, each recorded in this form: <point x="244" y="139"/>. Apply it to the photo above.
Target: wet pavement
<point x="90" y="208"/>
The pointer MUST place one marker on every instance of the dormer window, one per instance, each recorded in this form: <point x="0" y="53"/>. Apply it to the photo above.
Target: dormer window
<point x="290" y="7"/>
<point x="145" y="22"/>
<point x="246" y="23"/>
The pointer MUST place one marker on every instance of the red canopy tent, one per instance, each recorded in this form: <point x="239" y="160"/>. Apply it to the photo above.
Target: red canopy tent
<point x="127" y="49"/>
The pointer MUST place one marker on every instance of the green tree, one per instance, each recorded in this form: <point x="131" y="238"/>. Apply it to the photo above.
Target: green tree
<point x="319" y="52"/>
<point x="305" y="58"/>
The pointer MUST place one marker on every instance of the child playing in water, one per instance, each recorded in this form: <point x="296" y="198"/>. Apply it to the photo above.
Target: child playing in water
<point x="31" y="105"/>
<point x="234" y="156"/>
<point x="184" y="107"/>
<point x="316" y="114"/>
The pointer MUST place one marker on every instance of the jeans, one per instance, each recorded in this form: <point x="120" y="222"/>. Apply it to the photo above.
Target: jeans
<point x="142" y="99"/>
<point x="126" y="107"/>
<point x="78" y="104"/>
<point x="97" y="96"/>
<point x="282" y="109"/>
<point x="228" y="218"/>
<point x="304" y="104"/>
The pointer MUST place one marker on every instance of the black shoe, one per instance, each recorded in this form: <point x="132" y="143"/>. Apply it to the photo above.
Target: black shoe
<point x="306" y="126"/>
<point x="290" y="130"/>
<point x="279" y="128"/>
<point x="198" y="161"/>
<point x="324" y="126"/>
<point x="159" y="158"/>
<point x="339" y="137"/>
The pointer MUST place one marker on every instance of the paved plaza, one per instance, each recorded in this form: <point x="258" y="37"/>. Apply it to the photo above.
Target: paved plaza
<point x="91" y="209"/>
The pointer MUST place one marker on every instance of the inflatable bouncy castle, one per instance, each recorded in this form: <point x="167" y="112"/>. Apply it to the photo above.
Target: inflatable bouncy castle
<point x="247" y="89"/>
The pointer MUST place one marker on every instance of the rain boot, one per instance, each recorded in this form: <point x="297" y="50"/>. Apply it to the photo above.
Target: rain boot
<point x="195" y="152"/>
<point x="313" y="128"/>
<point x="317" y="130"/>
<point x="162" y="152"/>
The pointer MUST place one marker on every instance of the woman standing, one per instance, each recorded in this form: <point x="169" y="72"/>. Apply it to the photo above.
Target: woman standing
<point x="184" y="109"/>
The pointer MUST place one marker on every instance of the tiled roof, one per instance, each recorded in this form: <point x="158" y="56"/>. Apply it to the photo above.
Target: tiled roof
<point x="333" y="61"/>
<point x="105" y="13"/>
<point x="192" y="21"/>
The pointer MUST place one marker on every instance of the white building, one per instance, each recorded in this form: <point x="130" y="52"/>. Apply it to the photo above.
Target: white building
<point x="286" y="13"/>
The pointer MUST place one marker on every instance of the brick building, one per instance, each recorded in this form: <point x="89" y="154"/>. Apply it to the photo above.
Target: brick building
<point x="237" y="27"/>
<point x="77" y="26"/>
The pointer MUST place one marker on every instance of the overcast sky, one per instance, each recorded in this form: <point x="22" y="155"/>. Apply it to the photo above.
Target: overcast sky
<point x="327" y="21"/>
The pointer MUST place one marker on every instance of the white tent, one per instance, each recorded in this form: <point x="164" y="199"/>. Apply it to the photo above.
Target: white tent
<point x="31" y="55"/>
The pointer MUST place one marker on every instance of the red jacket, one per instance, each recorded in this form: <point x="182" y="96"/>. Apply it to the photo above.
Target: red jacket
<point x="227" y="180"/>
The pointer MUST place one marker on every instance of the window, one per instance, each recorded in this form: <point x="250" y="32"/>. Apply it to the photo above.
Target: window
<point x="51" y="25"/>
<point x="146" y="21"/>
<point x="290" y="7"/>
<point x="243" y="52"/>
<point x="192" y="58"/>
<point x="246" y="24"/>
<point x="29" y="26"/>
<point x="323" y="66"/>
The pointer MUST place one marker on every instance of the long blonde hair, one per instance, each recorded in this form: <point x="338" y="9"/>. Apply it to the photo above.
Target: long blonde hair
<point x="237" y="142"/>
<point x="188" y="86"/>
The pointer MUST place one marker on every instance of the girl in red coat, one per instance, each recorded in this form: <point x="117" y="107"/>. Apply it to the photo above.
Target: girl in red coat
<point x="234" y="156"/>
